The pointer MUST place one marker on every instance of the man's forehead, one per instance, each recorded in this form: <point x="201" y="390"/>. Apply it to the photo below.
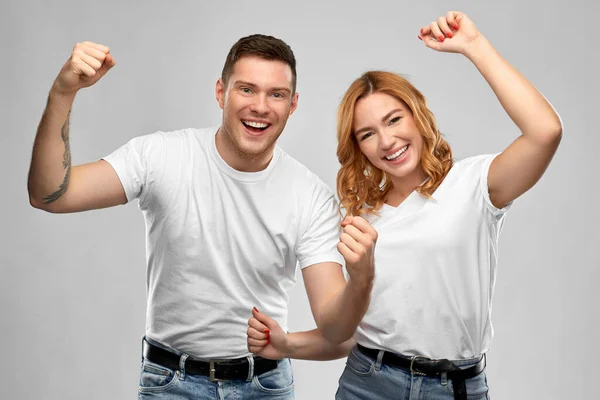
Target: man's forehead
<point x="261" y="72"/>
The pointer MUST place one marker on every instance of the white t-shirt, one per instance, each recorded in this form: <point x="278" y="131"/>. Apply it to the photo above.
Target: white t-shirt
<point x="435" y="269"/>
<point x="220" y="241"/>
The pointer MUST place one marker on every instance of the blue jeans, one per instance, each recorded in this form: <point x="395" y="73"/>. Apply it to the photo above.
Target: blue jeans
<point x="160" y="383"/>
<point x="367" y="379"/>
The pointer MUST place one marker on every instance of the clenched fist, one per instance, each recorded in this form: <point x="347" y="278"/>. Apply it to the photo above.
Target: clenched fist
<point x="88" y="63"/>
<point x="452" y="33"/>
<point x="266" y="338"/>
<point x="357" y="246"/>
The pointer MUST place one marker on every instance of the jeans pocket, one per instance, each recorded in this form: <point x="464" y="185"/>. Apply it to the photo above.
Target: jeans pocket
<point x="477" y="388"/>
<point x="279" y="380"/>
<point x="359" y="363"/>
<point x="156" y="378"/>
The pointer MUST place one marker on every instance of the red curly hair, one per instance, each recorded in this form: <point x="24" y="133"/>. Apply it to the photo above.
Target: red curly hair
<point x="363" y="188"/>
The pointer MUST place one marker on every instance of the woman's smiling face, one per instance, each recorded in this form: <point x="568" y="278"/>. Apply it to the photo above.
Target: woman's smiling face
<point x="387" y="135"/>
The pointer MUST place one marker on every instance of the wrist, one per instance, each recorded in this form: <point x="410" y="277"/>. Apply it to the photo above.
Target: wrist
<point x="290" y="346"/>
<point x="362" y="284"/>
<point x="477" y="48"/>
<point x="61" y="96"/>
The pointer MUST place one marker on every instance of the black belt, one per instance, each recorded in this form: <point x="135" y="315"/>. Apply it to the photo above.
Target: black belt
<point x="429" y="367"/>
<point x="217" y="370"/>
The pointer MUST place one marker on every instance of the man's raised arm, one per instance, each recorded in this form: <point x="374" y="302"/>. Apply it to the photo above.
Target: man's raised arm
<point x="53" y="184"/>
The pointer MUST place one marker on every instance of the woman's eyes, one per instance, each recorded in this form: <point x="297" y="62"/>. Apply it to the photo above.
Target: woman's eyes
<point x="366" y="135"/>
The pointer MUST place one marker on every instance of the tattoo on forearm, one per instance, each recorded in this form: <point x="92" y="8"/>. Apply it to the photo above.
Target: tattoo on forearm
<point x="64" y="134"/>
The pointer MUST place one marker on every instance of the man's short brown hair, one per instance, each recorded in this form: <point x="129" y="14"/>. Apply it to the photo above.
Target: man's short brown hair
<point x="263" y="46"/>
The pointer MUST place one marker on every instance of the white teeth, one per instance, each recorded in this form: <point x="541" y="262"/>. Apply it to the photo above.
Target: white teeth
<point x="396" y="154"/>
<point x="255" y="124"/>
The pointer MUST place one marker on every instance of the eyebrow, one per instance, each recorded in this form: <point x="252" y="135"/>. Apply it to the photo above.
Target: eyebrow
<point x="385" y="118"/>
<point x="254" y="86"/>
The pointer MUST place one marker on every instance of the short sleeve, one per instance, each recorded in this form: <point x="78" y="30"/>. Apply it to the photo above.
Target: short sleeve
<point x="485" y="163"/>
<point x="319" y="242"/>
<point x="139" y="166"/>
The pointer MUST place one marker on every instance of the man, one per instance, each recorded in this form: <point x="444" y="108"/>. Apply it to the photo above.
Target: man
<point x="228" y="216"/>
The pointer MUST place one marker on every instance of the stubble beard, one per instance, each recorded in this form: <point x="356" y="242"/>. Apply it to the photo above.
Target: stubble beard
<point x="236" y="143"/>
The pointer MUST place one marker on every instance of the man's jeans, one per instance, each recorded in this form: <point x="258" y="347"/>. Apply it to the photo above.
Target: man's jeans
<point x="158" y="382"/>
<point x="367" y="379"/>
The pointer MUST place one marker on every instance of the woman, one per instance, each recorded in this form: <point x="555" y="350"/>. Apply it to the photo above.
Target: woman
<point x="428" y="325"/>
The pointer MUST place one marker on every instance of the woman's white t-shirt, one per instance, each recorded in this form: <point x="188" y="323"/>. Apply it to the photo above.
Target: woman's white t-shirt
<point x="435" y="263"/>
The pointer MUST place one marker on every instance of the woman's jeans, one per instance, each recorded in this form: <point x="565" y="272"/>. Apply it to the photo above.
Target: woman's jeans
<point x="365" y="378"/>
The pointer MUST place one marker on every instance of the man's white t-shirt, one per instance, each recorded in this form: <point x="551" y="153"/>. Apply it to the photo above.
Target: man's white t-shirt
<point x="435" y="269"/>
<point x="220" y="241"/>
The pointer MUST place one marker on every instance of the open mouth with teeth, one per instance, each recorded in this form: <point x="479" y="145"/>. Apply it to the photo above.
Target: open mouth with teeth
<point x="255" y="127"/>
<point x="398" y="155"/>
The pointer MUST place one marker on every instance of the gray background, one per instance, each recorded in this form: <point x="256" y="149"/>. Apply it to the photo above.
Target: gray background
<point x="72" y="291"/>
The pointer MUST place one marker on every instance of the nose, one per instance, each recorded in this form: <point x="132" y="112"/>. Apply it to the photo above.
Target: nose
<point x="386" y="140"/>
<point x="259" y="104"/>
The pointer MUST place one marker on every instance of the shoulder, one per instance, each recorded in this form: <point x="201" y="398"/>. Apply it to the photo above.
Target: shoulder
<point x="177" y="142"/>
<point x="474" y="163"/>
<point x="189" y="134"/>
<point x="158" y="138"/>
<point x="300" y="175"/>
<point x="470" y="168"/>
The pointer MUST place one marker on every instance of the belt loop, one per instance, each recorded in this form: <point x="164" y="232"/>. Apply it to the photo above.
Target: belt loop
<point x="379" y="360"/>
<point x="250" y="368"/>
<point x="444" y="378"/>
<point x="182" y="366"/>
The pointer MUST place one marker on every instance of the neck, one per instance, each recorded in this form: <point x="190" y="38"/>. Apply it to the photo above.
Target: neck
<point x="239" y="160"/>
<point x="404" y="186"/>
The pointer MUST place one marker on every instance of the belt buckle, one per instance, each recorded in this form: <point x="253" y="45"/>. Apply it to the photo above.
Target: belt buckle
<point x="211" y="372"/>
<point x="414" y="371"/>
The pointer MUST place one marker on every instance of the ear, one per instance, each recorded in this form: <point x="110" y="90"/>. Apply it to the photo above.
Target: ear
<point x="220" y="93"/>
<point x="294" y="103"/>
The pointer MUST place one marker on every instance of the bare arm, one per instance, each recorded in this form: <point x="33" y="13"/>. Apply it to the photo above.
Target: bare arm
<point x="54" y="184"/>
<point x="268" y="340"/>
<point x="338" y="306"/>
<point x="524" y="161"/>
<point x="312" y="345"/>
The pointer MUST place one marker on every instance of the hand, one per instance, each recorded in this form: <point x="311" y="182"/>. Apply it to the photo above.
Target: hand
<point x="453" y="33"/>
<point x="88" y="63"/>
<point x="357" y="245"/>
<point x="266" y="338"/>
